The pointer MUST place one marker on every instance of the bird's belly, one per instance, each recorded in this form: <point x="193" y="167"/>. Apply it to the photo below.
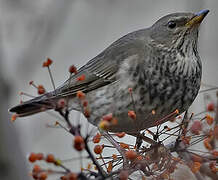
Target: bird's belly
<point x="151" y="102"/>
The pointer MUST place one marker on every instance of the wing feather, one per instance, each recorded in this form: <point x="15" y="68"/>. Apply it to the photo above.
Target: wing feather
<point x="102" y="70"/>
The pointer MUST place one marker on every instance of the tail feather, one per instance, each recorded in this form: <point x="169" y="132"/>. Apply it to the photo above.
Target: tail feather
<point x="36" y="105"/>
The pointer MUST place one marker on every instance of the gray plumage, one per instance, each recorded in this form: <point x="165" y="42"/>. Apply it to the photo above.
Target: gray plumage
<point x="161" y="64"/>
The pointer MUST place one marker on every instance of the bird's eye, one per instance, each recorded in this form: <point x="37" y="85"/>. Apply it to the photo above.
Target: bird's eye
<point x="171" y="24"/>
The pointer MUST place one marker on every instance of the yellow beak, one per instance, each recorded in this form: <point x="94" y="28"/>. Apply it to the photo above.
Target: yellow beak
<point x="197" y="19"/>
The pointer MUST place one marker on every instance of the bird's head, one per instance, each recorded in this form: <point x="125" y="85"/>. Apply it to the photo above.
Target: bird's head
<point x="174" y="29"/>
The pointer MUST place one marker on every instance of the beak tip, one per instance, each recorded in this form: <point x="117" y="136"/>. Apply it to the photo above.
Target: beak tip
<point x="203" y="12"/>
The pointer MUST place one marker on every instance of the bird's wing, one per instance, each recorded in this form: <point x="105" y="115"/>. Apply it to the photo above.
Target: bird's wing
<point x="102" y="69"/>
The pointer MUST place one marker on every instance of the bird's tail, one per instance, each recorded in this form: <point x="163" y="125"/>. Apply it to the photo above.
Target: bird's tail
<point x="36" y="105"/>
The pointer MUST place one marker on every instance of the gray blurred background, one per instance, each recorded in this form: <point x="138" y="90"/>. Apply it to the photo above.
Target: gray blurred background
<point x="71" y="32"/>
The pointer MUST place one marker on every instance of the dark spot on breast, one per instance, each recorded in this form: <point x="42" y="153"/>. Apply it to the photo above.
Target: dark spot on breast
<point x="182" y="54"/>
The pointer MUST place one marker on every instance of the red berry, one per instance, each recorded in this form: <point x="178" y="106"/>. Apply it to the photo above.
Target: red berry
<point x="96" y="138"/>
<point x="14" y="117"/>
<point x="98" y="149"/>
<point x="40" y="156"/>
<point x="73" y="69"/>
<point x="80" y="95"/>
<point x="50" y="158"/>
<point x="41" y="89"/>
<point x="131" y="155"/>
<point x="210" y="107"/>
<point x="32" y="157"/>
<point x="47" y="63"/>
<point x="209" y="119"/>
<point x="121" y="134"/>
<point x="79" y="143"/>
<point x="81" y="78"/>
<point x="43" y="176"/>
<point x="36" y="168"/>
<point x="132" y="114"/>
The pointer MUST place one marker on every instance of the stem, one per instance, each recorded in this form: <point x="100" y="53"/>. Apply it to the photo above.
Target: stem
<point x="52" y="80"/>
<point x="95" y="162"/>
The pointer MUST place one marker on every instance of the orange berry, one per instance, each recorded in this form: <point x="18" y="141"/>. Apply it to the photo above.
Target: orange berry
<point x="14" y="117"/>
<point x="176" y="111"/>
<point x="42" y="176"/>
<point x="73" y="69"/>
<point x="72" y="176"/>
<point x="121" y="134"/>
<point x="81" y="78"/>
<point x="96" y="138"/>
<point x="79" y="143"/>
<point x="50" y="158"/>
<point x="98" y="149"/>
<point x="47" y="63"/>
<point x="114" y="156"/>
<point x="110" y="167"/>
<point x="207" y="144"/>
<point x="139" y="158"/>
<point x="32" y="157"/>
<point x="86" y="112"/>
<point x="209" y="119"/>
<point x="195" y="167"/>
<point x="41" y="89"/>
<point x="123" y="175"/>
<point x="132" y="114"/>
<point x="36" y="168"/>
<point x="131" y="155"/>
<point x="80" y="95"/>
<point x="39" y="156"/>
<point x="124" y="146"/>
<point x="210" y="107"/>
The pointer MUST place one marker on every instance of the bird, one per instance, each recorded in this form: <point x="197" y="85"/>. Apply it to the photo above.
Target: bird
<point x="138" y="80"/>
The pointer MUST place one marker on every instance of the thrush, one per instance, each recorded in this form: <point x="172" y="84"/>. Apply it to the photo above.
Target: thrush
<point x="160" y="65"/>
